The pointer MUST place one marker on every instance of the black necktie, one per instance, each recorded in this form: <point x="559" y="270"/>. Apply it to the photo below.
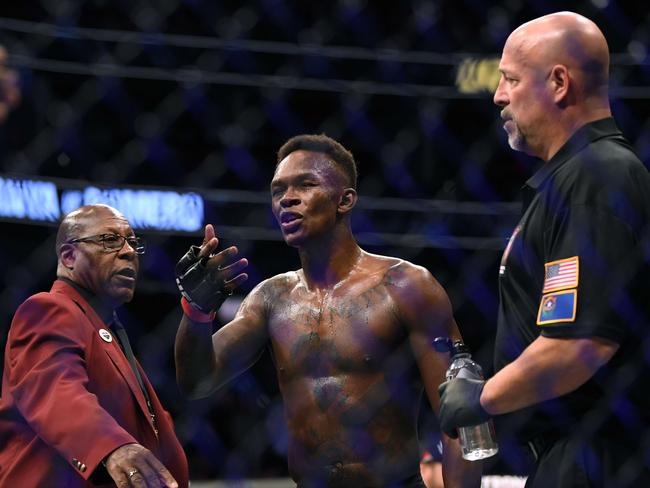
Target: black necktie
<point x="123" y="341"/>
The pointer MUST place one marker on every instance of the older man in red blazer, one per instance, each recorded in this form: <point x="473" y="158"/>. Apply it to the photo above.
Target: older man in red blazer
<point x="77" y="409"/>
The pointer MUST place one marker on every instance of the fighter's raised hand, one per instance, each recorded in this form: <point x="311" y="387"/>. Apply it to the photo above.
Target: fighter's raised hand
<point x="206" y="278"/>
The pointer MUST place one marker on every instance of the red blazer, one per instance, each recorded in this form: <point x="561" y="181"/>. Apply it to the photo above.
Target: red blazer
<point x="69" y="398"/>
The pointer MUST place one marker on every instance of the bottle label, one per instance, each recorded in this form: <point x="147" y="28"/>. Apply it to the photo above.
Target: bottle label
<point x="469" y="373"/>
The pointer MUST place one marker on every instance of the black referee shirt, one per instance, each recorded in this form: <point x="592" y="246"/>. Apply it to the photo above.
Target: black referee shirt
<point x="572" y="268"/>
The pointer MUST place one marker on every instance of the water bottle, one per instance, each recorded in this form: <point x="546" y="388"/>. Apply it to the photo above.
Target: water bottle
<point x="476" y="441"/>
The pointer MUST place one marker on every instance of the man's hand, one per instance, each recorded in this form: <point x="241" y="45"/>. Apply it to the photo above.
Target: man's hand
<point x="133" y="465"/>
<point x="204" y="279"/>
<point x="460" y="405"/>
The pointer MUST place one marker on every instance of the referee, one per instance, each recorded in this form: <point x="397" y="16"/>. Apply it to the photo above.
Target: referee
<point x="572" y="345"/>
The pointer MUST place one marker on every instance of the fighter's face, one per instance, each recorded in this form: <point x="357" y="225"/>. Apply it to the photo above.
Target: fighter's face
<point x="305" y="192"/>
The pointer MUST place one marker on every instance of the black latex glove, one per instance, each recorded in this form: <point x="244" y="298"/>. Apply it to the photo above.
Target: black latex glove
<point x="201" y="286"/>
<point x="460" y="405"/>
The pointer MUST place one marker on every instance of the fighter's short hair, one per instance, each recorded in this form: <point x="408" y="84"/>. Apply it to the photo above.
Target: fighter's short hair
<point x="322" y="144"/>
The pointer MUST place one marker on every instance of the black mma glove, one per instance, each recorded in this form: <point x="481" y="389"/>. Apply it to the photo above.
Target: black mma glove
<point x="460" y="405"/>
<point x="200" y="286"/>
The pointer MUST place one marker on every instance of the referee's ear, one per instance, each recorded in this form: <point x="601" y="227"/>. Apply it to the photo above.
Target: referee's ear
<point x="562" y="84"/>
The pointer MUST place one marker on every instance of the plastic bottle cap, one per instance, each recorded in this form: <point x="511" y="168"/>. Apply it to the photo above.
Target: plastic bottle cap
<point x="459" y="348"/>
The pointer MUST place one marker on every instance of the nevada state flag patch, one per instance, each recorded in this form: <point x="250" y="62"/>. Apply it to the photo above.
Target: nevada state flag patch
<point x="558" y="307"/>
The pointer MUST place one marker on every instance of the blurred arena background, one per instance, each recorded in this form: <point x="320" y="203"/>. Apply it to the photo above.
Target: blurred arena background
<point x="197" y="96"/>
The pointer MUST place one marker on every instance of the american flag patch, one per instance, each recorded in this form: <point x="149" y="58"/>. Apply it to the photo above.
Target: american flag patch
<point x="561" y="274"/>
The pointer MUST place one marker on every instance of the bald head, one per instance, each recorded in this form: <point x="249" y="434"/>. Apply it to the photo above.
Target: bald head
<point x="569" y="39"/>
<point x="75" y="223"/>
<point x="87" y="257"/>
<point x="554" y="77"/>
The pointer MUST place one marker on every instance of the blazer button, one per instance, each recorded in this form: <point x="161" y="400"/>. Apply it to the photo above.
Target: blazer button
<point x="79" y="465"/>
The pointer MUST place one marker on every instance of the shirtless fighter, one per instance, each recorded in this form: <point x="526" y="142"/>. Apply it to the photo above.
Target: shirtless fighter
<point x="350" y="333"/>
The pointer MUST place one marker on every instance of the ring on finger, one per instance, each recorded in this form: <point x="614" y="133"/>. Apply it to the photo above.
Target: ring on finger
<point x="132" y="473"/>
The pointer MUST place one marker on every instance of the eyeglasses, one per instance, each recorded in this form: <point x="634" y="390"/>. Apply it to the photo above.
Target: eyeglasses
<point x="114" y="242"/>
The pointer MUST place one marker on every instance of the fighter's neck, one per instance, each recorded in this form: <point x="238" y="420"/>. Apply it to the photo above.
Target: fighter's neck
<point x="328" y="264"/>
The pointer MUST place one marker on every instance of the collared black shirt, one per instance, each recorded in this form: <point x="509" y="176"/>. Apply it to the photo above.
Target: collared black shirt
<point x="104" y="312"/>
<point x="588" y="206"/>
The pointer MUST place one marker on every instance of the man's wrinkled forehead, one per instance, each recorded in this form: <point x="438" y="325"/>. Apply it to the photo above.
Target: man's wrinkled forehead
<point x="103" y="221"/>
<point x="524" y="51"/>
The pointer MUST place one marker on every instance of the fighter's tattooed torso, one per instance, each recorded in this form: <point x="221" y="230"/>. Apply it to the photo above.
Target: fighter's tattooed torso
<point x="346" y="372"/>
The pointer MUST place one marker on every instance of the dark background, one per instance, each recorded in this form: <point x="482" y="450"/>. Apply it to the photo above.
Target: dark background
<point x="199" y="95"/>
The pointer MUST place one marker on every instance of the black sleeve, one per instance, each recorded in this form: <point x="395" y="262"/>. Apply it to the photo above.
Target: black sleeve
<point x="607" y="254"/>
